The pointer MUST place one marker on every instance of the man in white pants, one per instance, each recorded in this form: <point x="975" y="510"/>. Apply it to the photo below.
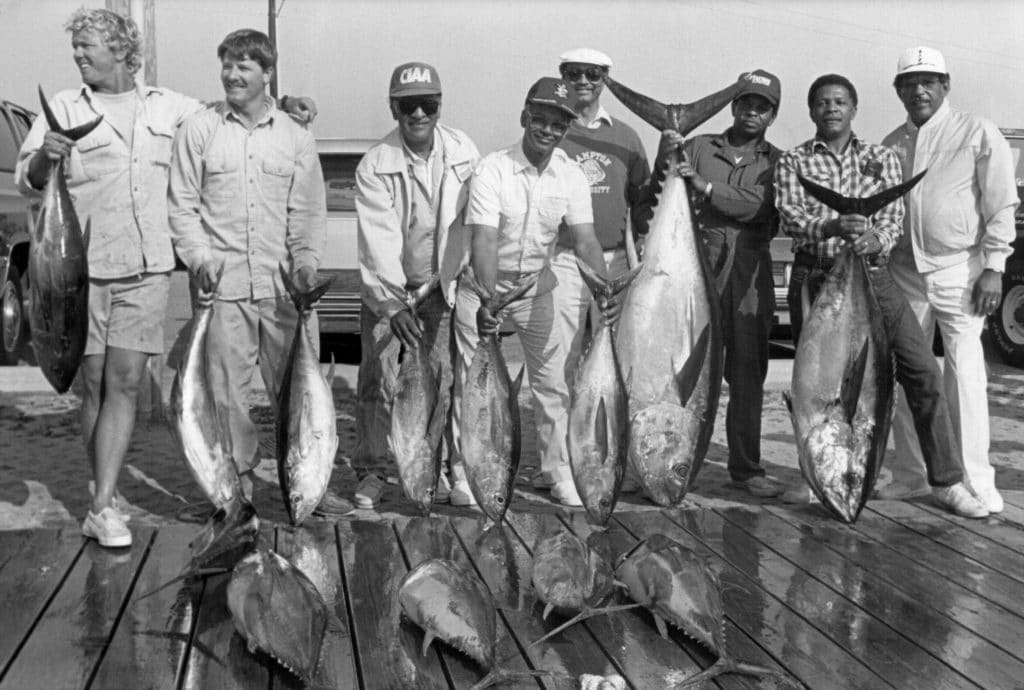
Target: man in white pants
<point x="950" y="259"/>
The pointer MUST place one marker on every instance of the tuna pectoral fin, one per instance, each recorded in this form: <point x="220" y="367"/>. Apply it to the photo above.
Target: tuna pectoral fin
<point x="601" y="429"/>
<point x="853" y="381"/>
<point x="330" y="373"/>
<point x="428" y="637"/>
<point x="582" y="616"/>
<point x="73" y="133"/>
<point x="87" y="234"/>
<point x="723" y="666"/>
<point x="686" y="381"/>
<point x="788" y="399"/>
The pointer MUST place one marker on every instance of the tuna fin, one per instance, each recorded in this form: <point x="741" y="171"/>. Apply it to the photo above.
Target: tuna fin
<point x="306" y="412"/>
<point x="428" y="637"/>
<point x="686" y="380"/>
<point x="503" y="300"/>
<point x="853" y="380"/>
<point x="725" y="665"/>
<point x="548" y="608"/>
<point x="632" y="257"/>
<point x="303" y="300"/>
<point x="504" y="678"/>
<point x="397" y="292"/>
<point x="866" y="206"/>
<point x="87" y="234"/>
<point x="330" y="373"/>
<point x="788" y="399"/>
<point x="188" y="573"/>
<point x="659" y="623"/>
<point x="599" y="286"/>
<point x="623" y="281"/>
<point x="73" y="133"/>
<point x="582" y="616"/>
<point x="516" y="385"/>
<point x="420" y="294"/>
<point x="682" y="118"/>
<point x="601" y="430"/>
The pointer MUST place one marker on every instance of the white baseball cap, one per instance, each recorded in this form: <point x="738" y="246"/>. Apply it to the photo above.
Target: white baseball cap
<point x="586" y="56"/>
<point x="921" y="59"/>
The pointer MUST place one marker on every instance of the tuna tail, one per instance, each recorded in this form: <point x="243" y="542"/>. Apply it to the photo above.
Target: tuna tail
<point x="725" y="665"/>
<point x="599" y="287"/>
<point x="504" y="299"/>
<point x="303" y="300"/>
<point x="866" y="206"/>
<point x="623" y="281"/>
<point x="686" y="381"/>
<point x="73" y="133"/>
<point x="582" y="616"/>
<point x="853" y="381"/>
<point x="504" y="678"/>
<point x="682" y="118"/>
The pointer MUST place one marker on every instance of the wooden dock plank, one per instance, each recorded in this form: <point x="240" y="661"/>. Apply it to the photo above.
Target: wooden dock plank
<point x="424" y="538"/>
<point x="313" y="548"/>
<point x="1012" y="515"/>
<point x="991" y="621"/>
<point x="996" y="528"/>
<point x="153" y="635"/>
<point x="388" y="648"/>
<point x="12" y="542"/>
<point x="569" y="654"/>
<point x="963" y="650"/>
<point x="73" y="632"/>
<point x="806" y="652"/>
<point x="31" y="577"/>
<point x="632" y="640"/>
<point x="218" y="656"/>
<point x="1014" y="498"/>
<point x="972" y="545"/>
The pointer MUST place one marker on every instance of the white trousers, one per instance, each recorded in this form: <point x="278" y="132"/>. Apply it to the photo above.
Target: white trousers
<point x="943" y="297"/>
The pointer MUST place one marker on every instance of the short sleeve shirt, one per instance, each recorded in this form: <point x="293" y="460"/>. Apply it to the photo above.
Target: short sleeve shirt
<point x="526" y="206"/>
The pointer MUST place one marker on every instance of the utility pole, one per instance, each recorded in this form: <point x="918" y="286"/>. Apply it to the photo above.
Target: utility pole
<point x="144" y="14"/>
<point x="272" y="35"/>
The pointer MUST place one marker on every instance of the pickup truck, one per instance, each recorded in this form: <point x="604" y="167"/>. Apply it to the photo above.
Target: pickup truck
<point x="16" y="219"/>
<point x="1006" y="324"/>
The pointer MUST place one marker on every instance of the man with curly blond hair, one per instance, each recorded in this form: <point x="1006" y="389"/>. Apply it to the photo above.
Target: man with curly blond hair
<point x="117" y="176"/>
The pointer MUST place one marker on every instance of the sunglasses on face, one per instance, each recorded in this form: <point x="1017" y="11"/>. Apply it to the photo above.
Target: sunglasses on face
<point x="557" y="127"/>
<point x="593" y="74"/>
<point x="408" y="107"/>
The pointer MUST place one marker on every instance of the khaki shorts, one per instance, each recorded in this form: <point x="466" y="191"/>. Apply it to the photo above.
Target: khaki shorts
<point x="128" y="313"/>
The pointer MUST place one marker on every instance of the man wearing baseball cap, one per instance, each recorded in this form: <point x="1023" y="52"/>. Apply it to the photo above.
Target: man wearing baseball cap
<point x="731" y="174"/>
<point x="519" y="198"/>
<point x="411" y="188"/>
<point x="956" y="238"/>
<point x="614" y="162"/>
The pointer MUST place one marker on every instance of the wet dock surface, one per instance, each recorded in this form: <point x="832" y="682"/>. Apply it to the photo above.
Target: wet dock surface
<point x="909" y="596"/>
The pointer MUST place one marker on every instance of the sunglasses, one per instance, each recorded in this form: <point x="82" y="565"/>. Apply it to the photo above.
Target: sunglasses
<point x="594" y="74"/>
<point x="408" y="107"/>
<point x="557" y="127"/>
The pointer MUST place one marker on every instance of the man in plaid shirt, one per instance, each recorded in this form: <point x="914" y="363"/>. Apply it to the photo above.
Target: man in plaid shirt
<point x="836" y="158"/>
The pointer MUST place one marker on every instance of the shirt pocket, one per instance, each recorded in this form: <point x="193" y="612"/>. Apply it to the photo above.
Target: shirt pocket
<point x="277" y="178"/>
<point x="98" y="155"/>
<point x="160" y="140"/>
<point x="221" y="179"/>
<point x="550" y="212"/>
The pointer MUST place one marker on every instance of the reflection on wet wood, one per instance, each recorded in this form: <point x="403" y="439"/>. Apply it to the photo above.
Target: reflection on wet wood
<point x="908" y="596"/>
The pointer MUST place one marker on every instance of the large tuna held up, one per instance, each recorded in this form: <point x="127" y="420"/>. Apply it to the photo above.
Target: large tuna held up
<point x="489" y="428"/>
<point x="843" y="388"/>
<point x="58" y="272"/>
<point x="598" y="421"/>
<point x="417" y="417"/>
<point x="307" y="430"/>
<point x="669" y="339"/>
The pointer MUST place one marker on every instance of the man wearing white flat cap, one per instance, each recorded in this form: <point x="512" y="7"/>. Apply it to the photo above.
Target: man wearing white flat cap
<point x="957" y="231"/>
<point x="615" y="164"/>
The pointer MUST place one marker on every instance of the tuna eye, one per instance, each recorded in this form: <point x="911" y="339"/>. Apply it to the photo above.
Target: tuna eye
<point x="682" y="469"/>
<point x="499" y="499"/>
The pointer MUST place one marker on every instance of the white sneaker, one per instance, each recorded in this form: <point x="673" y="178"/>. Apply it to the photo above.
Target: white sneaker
<point x="565" y="493"/>
<point x="959" y="501"/>
<point x="369" y="491"/>
<point x="991" y="499"/>
<point x="107" y="528"/>
<point x="461" y="495"/>
<point x="118" y="503"/>
<point x="443" y="491"/>
<point x="797" y="495"/>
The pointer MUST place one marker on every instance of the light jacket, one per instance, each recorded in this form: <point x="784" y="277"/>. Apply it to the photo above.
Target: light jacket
<point x="965" y="204"/>
<point x="384" y="208"/>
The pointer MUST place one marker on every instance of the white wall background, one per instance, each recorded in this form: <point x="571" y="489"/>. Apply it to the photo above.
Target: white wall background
<point x="488" y="52"/>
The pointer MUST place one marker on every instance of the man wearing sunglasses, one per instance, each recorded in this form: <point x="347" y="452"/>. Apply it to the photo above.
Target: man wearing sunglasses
<point x="519" y="198"/>
<point x="731" y="176"/>
<point x="411" y="191"/>
<point x="614" y="162"/>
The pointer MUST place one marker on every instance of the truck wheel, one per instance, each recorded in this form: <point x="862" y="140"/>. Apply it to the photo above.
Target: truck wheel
<point x="1007" y="322"/>
<point x="12" y="317"/>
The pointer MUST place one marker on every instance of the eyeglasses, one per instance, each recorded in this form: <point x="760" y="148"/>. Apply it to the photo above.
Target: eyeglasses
<point x="594" y="74"/>
<point x="408" y="107"/>
<point x="557" y="127"/>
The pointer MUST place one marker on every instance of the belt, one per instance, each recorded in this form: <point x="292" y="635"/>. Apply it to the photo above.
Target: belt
<point x="812" y="261"/>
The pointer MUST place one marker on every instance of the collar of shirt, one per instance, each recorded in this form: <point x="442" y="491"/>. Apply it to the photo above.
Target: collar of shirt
<point x="941" y="114"/>
<point x="520" y="163"/>
<point x="85" y="92"/>
<point x="226" y="113"/>
<point x="601" y="116"/>
<point x="820" y="145"/>
<point x="414" y="159"/>
<point x="722" y="141"/>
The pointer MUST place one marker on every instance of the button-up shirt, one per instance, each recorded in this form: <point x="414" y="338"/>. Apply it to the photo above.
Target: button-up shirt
<point x="527" y="206"/>
<point x="965" y="204"/>
<point x="859" y="171"/>
<point x="118" y="184"/>
<point x="253" y="198"/>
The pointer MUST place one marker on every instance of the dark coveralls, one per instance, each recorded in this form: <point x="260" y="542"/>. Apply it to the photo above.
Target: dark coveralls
<point x="738" y="221"/>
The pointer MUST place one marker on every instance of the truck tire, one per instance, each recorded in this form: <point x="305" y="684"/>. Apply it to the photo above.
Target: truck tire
<point x="1007" y="322"/>
<point x="12" y="317"/>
